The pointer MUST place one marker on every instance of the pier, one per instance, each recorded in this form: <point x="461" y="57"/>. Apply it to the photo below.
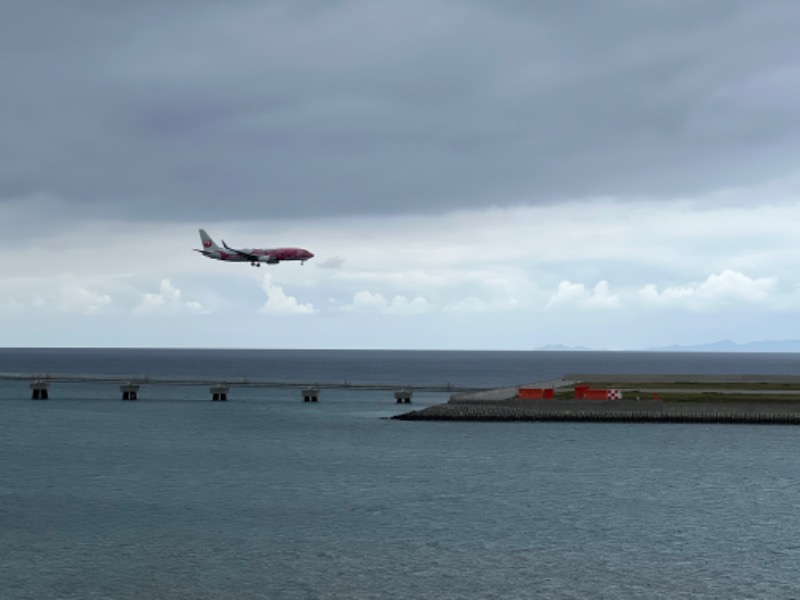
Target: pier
<point x="49" y="378"/>
<point x="219" y="389"/>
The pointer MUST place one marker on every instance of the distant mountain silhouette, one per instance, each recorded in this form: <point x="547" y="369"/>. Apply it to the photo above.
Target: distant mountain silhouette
<point x="729" y="346"/>
<point x="720" y="346"/>
<point x="563" y="348"/>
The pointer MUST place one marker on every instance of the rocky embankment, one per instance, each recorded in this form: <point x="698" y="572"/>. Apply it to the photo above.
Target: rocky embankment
<point x="632" y="411"/>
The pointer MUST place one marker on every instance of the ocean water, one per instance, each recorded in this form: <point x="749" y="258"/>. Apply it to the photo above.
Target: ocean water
<point x="265" y="496"/>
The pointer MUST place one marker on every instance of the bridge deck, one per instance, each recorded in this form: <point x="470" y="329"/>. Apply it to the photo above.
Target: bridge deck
<point x="232" y="382"/>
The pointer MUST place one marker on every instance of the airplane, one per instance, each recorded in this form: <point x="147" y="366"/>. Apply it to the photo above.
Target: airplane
<point x="255" y="256"/>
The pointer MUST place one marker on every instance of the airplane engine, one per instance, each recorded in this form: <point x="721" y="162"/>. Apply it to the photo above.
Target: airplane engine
<point x="270" y="260"/>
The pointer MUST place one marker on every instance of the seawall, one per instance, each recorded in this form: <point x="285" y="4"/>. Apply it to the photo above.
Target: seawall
<point x="609" y="412"/>
<point x="741" y="404"/>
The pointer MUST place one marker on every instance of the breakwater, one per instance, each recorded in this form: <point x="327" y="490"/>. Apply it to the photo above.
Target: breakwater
<point x="610" y="412"/>
<point x="745" y="399"/>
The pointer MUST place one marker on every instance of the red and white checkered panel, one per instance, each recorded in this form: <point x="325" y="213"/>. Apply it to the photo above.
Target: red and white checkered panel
<point x="614" y="395"/>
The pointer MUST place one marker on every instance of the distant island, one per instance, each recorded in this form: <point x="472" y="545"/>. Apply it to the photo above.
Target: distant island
<point x="729" y="346"/>
<point x="720" y="346"/>
<point x="562" y="348"/>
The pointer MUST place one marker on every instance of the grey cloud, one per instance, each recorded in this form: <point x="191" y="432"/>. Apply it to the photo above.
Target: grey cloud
<point x="169" y="110"/>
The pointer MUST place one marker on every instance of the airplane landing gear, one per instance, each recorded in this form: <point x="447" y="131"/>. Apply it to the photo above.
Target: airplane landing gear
<point x="255" y="264"/>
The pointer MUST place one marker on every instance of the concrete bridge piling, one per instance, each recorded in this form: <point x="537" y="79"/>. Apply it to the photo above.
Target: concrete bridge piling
<point x="130" y="391"/>
<point x="310" y="394"/>
<point x="39" y="390"/>
<point x="403" y="396"/>
<point x="219" y="393"/>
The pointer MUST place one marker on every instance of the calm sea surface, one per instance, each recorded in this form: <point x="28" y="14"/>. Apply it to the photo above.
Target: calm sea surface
<point x="265" y="496"/>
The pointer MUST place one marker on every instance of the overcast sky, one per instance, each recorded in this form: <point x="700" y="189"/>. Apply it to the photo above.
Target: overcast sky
<point x="470" y="175"/>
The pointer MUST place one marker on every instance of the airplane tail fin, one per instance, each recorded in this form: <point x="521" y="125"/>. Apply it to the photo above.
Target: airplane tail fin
<point x="208" y="243"/>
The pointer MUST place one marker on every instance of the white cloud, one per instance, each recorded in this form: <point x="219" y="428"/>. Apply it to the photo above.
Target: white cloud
<point x="726" y="289"/>
<point x="75" y="298"/>
<point x="601" y="297"/>
<point x="367" y="300"/>
<point x="467" y="306"/>
<point x="402" y="305"/>
<point x="398" y="305"/>
<point x="65" y="295"/>
<point x="279" y="303"/>
<point x="168" y="300"/>
<point x="567" y="292"/>
<point x="578" y="294"/>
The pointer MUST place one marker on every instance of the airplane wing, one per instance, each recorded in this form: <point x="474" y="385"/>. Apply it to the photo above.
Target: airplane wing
<point x="253" y="258"/>
<point x="247" y="255"/>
